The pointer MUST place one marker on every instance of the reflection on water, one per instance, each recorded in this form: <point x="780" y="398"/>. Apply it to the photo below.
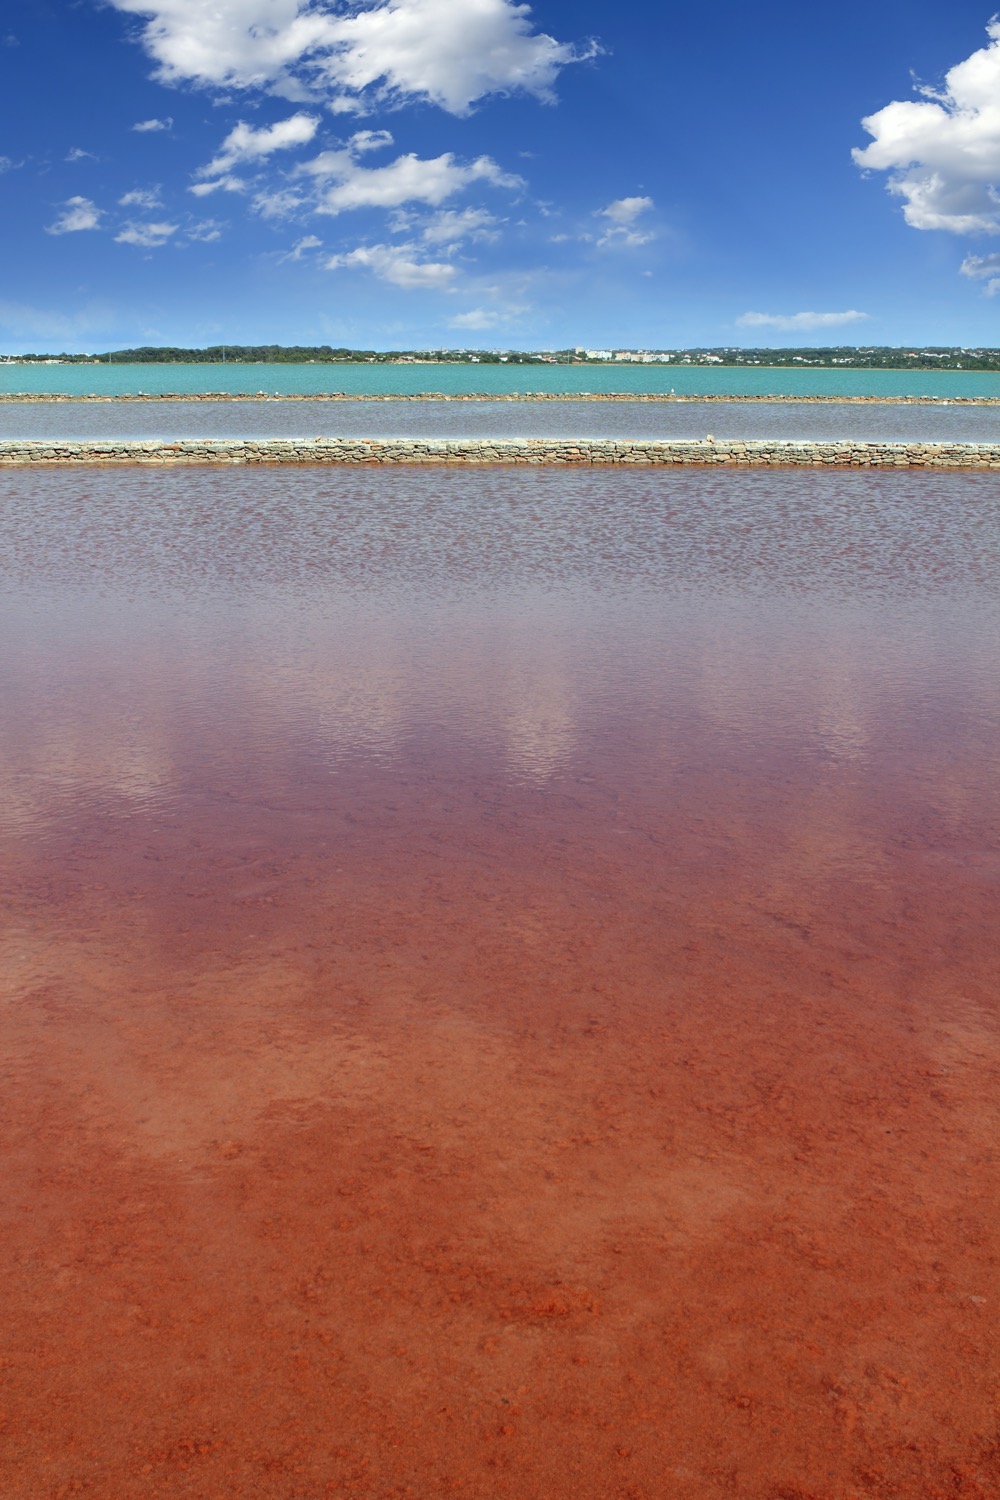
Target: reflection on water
<point x="170" y="633"/>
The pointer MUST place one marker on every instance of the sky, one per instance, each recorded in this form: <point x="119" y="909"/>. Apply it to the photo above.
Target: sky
<point x="481" y="173"/>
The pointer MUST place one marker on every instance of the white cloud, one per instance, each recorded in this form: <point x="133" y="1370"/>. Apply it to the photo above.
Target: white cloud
<point x="147" y="236"/>
<point x="801" y="321"/>
<point x="981" y="265"/>
<point x="398" y="264"/>
<point x="408" y="179"/>
<point x="79" y="213"/>
<point x="282" y="204"/>
<point x="451" y="52"/>
<point x="78" y="154"/>
<point x="450" y="225"/>
<point x="369" y="140"/>
<point x="623" y="214"/>
<point x="6" y="164"/>
<point x="145" y="126"/>
<point x="942" y="152"/>
<point x="302" y="246"/>
<point x="206" y="230"/>
<point x="147" y="198"/>
<point x="625" y="210"/>
<point x="227" y="184"/>
<point x="335" y="180"/>
<point x="479" y="319"/>
<point x="245" y="144"/>
<point x="983" y="268"/>
<point x="626" y="238"/>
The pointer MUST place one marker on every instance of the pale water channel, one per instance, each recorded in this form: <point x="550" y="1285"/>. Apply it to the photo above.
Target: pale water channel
<point x="503" y="419"/>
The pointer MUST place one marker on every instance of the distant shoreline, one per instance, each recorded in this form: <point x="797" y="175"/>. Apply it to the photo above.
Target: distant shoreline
<point x="803" y="360"/>
<point x="39" y="397"/>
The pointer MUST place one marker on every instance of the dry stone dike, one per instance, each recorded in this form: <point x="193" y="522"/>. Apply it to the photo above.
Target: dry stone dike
<point x="767" y="453"/>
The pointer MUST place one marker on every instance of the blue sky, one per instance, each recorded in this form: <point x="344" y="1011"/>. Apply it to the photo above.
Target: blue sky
<point x="418" y="173"/>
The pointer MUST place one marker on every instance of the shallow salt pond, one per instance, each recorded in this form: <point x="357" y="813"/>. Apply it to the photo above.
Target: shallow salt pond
<point x="504" y="419"/>
<point x="499" y="982"/>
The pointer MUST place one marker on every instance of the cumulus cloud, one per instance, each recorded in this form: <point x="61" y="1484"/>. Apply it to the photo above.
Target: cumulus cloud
<point x="399" y="264"/>
<point x="983" y="268"/>
<point x="281" y="204"/>
<point x="78" y="213"/>
<point x="942" y="152"/>
<point x="625" y="210"/>
<point x="146" y="198"/>
<point x="623" y="215"/>
<point x="801" y="321"/>
<point x="77" y="153"/>
<point x="245" y="144"/>
<point x="449" y="53"/>
<point x="303" y="246"/>
<point x="227" y="184"/>
<point x="338" y="179"/>
<point x="480" y="319"/>
<point x="409" y="179"/>
<point x="450" y="225"/>
<point x="147" y="236"/>
<point x="329" y="166"/>
<point x="205" y="230"/>
<point x="369" y="140"/>
<point x="145" y="126"/>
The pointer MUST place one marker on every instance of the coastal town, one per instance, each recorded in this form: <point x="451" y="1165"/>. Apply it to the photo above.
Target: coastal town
<point x="847" y="357"/>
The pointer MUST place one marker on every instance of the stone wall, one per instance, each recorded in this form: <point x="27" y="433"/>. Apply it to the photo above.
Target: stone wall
<point x="602" y="451"/>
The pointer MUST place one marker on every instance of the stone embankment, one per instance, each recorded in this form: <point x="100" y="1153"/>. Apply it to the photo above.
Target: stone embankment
<point x="55" y="397"/>
<point x="566" y="451"/>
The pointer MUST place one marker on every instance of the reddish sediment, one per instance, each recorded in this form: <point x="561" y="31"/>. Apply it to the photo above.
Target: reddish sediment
<point x="478" y="1142"/>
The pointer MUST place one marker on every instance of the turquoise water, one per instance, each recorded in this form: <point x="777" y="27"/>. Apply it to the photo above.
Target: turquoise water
<point x="404" y="380"/>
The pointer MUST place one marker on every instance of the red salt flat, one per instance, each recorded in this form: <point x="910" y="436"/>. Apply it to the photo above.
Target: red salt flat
<point x="523" y="1044"/>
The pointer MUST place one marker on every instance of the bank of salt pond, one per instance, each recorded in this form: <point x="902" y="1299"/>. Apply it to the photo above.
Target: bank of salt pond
<point x="535" y="451"/>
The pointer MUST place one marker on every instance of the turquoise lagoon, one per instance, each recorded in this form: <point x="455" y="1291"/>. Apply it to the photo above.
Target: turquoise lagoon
<point x="494" y="380"/>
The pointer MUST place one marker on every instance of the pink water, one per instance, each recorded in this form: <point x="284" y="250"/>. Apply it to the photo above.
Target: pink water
<point x="500" y="985"/>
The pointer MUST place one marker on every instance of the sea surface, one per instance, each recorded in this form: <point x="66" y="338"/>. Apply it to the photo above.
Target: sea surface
<point x="499" y="983"/>
<point x="112" y="380"/>
<point x="504" y="419"/>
